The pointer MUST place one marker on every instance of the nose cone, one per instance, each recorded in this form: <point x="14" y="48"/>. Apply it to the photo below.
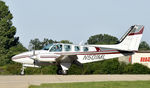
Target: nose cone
<point x="13" y="58"/>
<point x="26" y="57"/>
<point x="19" y="57"/>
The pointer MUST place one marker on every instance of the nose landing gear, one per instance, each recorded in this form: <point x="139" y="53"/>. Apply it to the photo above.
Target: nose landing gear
<point x="22" y="70"/>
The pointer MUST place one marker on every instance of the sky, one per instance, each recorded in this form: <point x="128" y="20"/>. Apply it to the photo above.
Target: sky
<point x="77" y="20"/>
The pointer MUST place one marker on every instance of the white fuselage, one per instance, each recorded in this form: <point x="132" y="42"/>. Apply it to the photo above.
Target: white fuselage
<point x="91" y="55"/>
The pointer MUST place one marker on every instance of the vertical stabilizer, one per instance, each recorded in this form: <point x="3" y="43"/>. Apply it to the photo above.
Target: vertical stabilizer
<point x="131" y="40"/>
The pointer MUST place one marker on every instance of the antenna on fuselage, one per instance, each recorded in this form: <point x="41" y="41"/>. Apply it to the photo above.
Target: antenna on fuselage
<point x="31" y="47"/>
<point x="33" y="50"/>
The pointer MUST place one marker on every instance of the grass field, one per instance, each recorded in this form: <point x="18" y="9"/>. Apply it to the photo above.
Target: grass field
<point x="114" y="84"/>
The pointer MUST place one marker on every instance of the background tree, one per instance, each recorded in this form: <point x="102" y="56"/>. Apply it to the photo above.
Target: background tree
<point x="144" y="46"/>
<point x="102" y="39"/>
<point x="47" y="41"/>
<point x="7" y="30"/>
<point x="7" y="33"/>
<point x="66" y="41"/>
<point x="37" y="44"/>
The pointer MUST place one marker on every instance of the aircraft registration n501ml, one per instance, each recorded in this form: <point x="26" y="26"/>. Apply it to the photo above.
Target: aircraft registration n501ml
<point x="63" y="55"/>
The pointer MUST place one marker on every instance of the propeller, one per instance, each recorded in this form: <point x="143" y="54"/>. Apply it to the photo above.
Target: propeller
<point x="33" y="56"/>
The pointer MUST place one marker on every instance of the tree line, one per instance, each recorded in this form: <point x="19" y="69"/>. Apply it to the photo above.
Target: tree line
<point x="10" y="46"/>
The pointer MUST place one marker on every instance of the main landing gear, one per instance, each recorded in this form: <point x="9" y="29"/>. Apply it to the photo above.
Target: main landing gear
<point x="60" y="71"/>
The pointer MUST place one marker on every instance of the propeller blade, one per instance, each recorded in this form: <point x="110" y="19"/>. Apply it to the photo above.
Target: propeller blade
<point x="33" y="52"/>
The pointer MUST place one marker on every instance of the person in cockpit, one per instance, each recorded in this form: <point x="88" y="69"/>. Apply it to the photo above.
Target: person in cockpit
<point x="58" y="48"/>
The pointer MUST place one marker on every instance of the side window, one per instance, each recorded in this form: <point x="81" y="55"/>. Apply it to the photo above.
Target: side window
<point x="85" y="49"/>
<point x="67" y="47"/>
<point x="76" y="48"/>
<point x="56" y="48"/>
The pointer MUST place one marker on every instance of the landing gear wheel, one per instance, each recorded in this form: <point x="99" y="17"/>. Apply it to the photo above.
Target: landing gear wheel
<point x="59" y="72"/>
<point x="64" y="72"/>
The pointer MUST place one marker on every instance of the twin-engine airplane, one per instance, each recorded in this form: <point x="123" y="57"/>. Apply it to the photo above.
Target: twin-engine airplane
<point x="63" y="55"/>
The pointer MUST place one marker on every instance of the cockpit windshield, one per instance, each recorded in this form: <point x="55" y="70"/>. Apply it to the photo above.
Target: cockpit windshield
<point x="56" y="48"/>
<point x="47" y="47"/>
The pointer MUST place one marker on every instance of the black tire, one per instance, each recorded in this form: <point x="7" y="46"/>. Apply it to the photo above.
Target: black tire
<point x="64" y="72"/>
<point x="59" y="72"/>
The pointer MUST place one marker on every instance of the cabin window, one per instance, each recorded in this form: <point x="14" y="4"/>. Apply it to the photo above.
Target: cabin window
<point x="85" y="49"/>
<point x="56" y="48"/>
<point x="67" y="47"/>
<point x="47" y="47"/>
<point x="76" y="48"/>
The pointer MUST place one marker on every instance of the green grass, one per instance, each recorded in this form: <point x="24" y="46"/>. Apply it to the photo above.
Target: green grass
<point x="114" y="84"/>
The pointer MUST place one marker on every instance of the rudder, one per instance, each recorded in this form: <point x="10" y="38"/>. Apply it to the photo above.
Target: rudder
<point x="131" y="40"/>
